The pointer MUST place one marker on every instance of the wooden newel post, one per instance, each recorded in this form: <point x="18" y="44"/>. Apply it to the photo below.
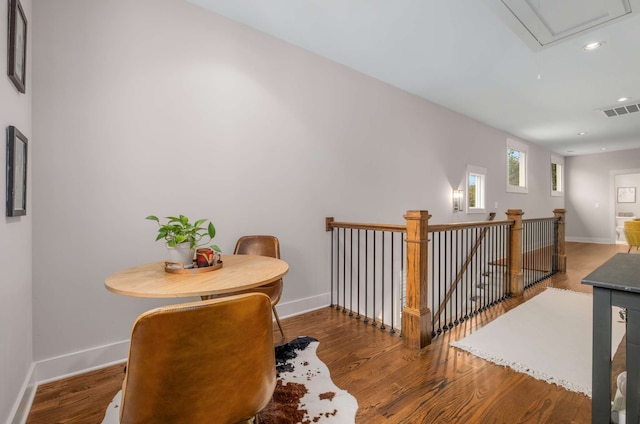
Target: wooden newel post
<point x="327" y="223"/>
<point x="515" y="252"/>
<point x="561" y="257"/>
<point x="416" y="316"/>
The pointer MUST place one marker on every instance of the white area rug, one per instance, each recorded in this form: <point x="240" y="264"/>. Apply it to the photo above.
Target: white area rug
<point x="548" y="337"/>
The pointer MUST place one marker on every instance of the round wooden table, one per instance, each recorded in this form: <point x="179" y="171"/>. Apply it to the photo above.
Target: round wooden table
<point x="239" y="272"/>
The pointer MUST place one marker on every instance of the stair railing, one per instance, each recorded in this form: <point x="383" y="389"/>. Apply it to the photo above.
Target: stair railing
<point x="383" y="283"/>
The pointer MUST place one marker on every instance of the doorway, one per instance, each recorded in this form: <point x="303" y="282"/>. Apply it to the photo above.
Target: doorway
<point x="625" y="204"/>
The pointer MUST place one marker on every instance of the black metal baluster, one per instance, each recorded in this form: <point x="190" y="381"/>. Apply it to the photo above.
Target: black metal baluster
<point x="532" y="240"/>
<point x="338" y="271"/>
<point x="449" y="320"/>
<point x="502" y="233"/>
<point x="554" y="250"/>
<point x="464" y="261"/>
<point x="393" y="292"/>
<point x="344" y="270"/>
<point x="351" y="272"/>
<point x="486" y="290"/>
<point x="375" y="267"/>
<point x="454" y="276"/>
<point x="366" y="275"/>
<point x="402" y="280"/>
<point x="382" y="280"/>
<point x="474" y="276"/>
<point x="467" y="285"/>
<point x="495" y="286"/>
<point x="359" y="254"/>
<point x="436" y="280"/>
<point x="525" y="240"/>
<point x="332" y="269"/>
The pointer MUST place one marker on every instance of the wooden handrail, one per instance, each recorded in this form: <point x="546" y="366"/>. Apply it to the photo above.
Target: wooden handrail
<point x="532" y="220"/>
<point x="331" y="224"/>
<point x="467" y="261"/>
<point x="464" y="225"/>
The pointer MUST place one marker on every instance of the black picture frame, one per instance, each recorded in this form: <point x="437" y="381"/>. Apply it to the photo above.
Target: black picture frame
<point x="16" y="172"/>
<point x="17" y="46"/>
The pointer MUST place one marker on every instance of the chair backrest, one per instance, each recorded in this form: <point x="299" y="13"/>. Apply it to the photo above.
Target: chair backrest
<point x="632" y="232"/>
<point x="200" y="362"/>
<point x="260" y="245"/>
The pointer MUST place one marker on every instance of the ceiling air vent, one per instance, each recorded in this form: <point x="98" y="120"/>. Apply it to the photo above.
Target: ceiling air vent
<point x="621" y="110"/>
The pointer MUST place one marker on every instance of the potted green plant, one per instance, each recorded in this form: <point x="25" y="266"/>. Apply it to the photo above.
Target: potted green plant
<point x="183" y="237"/>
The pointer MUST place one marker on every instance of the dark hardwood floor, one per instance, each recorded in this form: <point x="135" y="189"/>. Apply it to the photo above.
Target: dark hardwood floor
<point x="392" y="384"/>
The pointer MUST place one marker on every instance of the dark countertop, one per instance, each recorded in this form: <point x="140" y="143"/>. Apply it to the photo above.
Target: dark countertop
<point x="622" y="272"/>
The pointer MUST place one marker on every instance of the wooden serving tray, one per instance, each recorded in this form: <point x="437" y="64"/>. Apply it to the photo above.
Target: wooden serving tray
<point x="178" y="268"/>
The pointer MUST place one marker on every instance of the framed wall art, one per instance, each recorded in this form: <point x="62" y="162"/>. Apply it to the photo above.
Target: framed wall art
<point x="626" y="194"/>
<point x="16" y="172"/>
<point x="17" y="51"/>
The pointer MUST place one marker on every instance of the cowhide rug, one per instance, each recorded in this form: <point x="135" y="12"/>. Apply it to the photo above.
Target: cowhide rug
<point x="304" y="394"/>
<point x="304" y="391"/>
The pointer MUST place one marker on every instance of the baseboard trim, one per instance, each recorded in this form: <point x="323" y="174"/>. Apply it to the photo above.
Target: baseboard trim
<point x="20" y="411"/>
<point x="590" y="240"/>
<point x="75" y="363"/>
<point x="302" y="306"/>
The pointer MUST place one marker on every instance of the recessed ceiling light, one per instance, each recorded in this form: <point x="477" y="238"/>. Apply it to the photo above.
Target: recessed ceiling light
<point x="603" y="149"/>
<point x="624" y="99"/>
<point x="582" y="133"/>
<point x="593" y="46"/>
<point x="570" y="151"/>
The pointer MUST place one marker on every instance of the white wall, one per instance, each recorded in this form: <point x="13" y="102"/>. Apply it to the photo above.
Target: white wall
<point x="590" y="182"/>
<point x="159" y="107"/>
<point x="15" y="241"/>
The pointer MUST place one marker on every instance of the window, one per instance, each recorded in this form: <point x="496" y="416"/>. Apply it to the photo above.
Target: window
<point x="476" y="182"/>
<point x="517" y="166"/>
<point x="557" y="175"/>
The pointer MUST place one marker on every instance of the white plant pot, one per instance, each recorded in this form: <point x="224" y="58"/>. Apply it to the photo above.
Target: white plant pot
<point x="182" y="253"/>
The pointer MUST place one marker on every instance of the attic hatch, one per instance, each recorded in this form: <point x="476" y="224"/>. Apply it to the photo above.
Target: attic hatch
<point x="621" y="110"/>
<point x="540" y="23"/>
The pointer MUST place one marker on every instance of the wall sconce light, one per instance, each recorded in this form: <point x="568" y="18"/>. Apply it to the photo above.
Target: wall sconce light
<point x="457" y="200"/>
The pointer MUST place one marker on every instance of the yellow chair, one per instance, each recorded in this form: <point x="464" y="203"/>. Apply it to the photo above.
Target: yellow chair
<point x="262" y="245"/>
<point x="201" y="362"/>
<point x="632" y="233"/>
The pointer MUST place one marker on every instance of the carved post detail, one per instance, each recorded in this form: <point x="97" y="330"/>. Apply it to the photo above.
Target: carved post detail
<point x="515" y="253"/>
<point x="561" y="257"/>
<point x="416" y="316"/>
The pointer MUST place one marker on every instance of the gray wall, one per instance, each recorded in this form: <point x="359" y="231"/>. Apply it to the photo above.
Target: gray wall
<point x="590" y="182"/>
<point x="160" y="107"/>
<point x="15" y="241"/>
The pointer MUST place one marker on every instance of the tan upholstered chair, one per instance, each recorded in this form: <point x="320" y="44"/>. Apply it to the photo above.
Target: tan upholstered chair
<point x="262" y="245"/>
<point x="632" y="233"/>
<point x="202" y="362"/>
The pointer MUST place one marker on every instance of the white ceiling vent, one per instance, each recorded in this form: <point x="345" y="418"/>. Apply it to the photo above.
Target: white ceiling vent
<point x="540" y="23"/>
<point x="621" y="110"/>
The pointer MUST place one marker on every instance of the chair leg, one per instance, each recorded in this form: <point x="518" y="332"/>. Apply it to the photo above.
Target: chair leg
<point x="628" y="251"/>
<point x="275" y="314"/>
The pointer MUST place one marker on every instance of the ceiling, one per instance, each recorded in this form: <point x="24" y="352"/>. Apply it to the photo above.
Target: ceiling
<point x="477" y="58"/>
